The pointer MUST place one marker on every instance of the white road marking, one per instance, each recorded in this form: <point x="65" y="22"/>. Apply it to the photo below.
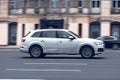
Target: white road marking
<point x="115" y="51"/>
<point x="45" y="70"/>
<point x="84" y="64"/>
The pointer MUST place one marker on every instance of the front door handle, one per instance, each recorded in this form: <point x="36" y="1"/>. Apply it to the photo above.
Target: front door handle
<point x="42" y="41"/>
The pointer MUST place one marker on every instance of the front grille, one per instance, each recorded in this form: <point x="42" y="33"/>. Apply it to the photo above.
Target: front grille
<point x="100" y="50"/>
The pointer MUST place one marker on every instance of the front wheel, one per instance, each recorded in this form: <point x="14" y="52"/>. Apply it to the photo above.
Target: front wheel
<point x="36" y="52"/>
<point x="87" y="52"/>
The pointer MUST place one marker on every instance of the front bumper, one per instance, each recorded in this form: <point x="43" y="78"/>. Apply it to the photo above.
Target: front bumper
<point x="99" y="49"/>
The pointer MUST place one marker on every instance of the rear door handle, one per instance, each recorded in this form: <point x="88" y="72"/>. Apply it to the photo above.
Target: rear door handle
<point x="60" y="41"/>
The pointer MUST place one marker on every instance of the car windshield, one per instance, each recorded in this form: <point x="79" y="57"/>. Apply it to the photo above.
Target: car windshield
<point x="74" y="34"/>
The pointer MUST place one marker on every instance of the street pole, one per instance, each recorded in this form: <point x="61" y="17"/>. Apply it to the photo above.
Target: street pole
<point x="67" y="13"/>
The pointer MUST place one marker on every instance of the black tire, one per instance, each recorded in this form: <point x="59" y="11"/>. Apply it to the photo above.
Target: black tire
<point x="36" y="52"/>
<point x="87" y="52"/>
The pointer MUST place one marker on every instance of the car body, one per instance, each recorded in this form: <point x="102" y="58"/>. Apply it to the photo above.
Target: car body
<point x="109" y="41"/>
<point x="107" y="38"/>
<point x="38" y="43"/>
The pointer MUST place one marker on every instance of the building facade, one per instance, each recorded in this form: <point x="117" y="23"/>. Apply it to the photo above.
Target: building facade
<point x="87" y="18"/>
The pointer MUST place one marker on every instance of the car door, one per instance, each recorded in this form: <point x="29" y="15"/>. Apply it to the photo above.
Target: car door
<point x="108" y="38"/>
<point x="49" y="41"/>
<point x="66" y="45"/>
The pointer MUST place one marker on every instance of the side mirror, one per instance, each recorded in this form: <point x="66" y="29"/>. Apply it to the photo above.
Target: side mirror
<point x="71" y="37"/>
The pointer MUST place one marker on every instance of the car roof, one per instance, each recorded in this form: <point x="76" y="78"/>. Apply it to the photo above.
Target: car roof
<point x="107" y="36"/>
<point x="49" y="30"/>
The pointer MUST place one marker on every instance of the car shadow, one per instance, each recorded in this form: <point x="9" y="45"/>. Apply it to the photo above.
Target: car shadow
<point x="56" y="57"/>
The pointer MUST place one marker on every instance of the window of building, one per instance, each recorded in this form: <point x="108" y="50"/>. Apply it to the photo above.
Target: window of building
<point x="95" y="6"/>
<point x="29" y="3"/>
<point x="37" y="3"/>
<point x="119" y="3"/>
<point x="116" y="3"/>
<point x="54" y="3"/>
<point x="36" y="26"/>
<point x="80" y="3"/>
<point x="14" y="4"/>
<point x="95" y="3"/>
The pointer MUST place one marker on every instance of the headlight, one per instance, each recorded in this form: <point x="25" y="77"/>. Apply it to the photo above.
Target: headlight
<point x="98" y="43"/>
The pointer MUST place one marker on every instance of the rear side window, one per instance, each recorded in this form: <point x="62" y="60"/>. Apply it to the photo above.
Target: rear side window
<point x="48" y="34"/>
<point x="36" y="34"/>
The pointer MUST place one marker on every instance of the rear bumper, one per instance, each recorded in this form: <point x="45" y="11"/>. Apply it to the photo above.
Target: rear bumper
<point x="24" y="49"/>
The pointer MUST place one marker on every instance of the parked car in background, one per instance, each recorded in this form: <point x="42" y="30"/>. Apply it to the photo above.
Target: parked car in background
<point x="109" y="41"/>
<point x="107" y="38"/>
<point x="38" y="43"/>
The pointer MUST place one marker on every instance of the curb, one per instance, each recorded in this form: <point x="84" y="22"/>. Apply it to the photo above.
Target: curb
<point x="9" y="47"/>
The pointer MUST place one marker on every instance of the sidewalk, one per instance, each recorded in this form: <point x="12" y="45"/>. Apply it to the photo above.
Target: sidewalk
<point x="9" y="47"/>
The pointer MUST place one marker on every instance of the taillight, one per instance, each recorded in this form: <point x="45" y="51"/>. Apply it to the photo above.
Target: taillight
<point x="23" y="40"/>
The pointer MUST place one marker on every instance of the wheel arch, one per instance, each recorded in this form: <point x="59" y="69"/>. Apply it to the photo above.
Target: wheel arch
<point x="85" y="46"/>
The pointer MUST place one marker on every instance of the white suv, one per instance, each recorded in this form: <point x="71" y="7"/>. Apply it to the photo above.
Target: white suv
<point x="38" y="43"/>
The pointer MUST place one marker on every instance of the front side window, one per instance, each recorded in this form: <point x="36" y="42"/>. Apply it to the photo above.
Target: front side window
<point x="48" y="34"/>
<point x="62" y="34"/>
<point x="74" y="34"/>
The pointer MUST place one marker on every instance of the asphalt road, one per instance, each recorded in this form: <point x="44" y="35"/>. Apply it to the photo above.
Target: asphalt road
<point x="16" y="65"/>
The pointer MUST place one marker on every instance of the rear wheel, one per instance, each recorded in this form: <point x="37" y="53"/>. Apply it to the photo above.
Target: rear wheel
<point x="36" y="52"/>
<point x="87" y="52"/>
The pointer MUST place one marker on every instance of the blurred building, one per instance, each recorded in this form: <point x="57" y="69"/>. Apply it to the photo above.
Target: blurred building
<point x="87" y="18"/>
